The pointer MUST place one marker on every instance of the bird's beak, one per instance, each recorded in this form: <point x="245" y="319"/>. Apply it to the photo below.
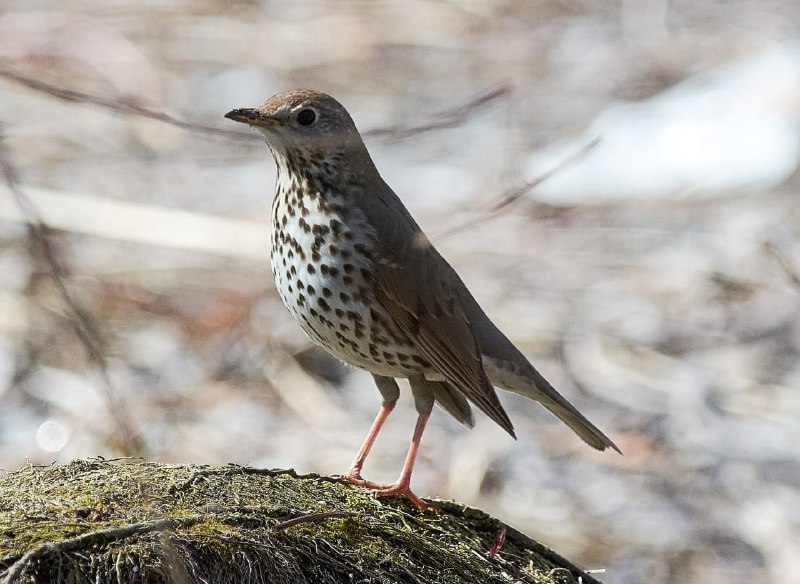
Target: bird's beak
<point x="251" y="116"/>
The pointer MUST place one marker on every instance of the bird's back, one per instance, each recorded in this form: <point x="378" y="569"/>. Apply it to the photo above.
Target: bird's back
<point x="500" y="361"/>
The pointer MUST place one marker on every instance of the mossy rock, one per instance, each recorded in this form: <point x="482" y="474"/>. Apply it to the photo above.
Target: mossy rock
<point x="134" y="521"/>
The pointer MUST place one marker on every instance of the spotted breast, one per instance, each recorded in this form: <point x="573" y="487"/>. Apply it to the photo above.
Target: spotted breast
<point x="323" y="262"/>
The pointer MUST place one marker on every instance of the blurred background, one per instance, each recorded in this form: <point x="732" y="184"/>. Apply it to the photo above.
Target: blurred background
<point x="644" y="253"/>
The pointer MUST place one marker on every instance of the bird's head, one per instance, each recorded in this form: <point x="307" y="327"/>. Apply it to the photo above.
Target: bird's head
<point x="305" y="128"/>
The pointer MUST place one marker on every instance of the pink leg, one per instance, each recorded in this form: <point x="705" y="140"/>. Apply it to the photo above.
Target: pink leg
<point x="403" y="484"/>
<point x="353" y="475"/>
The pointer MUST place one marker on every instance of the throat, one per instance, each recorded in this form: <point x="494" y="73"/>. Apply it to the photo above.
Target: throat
<point x="297" y="197"/>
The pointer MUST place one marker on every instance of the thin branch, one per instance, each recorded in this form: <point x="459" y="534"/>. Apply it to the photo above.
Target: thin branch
<point x="775" y="247"/>
<point x="127" y="106"/>
<point x="120" y="105"/>
<point x="99" y="537"/>
<point x="449" y="118"/>
<point x="104" y="536"/>
<point x="314" y="517"/>
<point x="83" y="325"/>
<point x="516" y="193"/>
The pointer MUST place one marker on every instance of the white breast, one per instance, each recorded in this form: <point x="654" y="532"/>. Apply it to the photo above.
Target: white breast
<point x="324" y="279"/>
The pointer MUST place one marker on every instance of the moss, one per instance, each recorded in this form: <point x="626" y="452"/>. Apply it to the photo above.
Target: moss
<point x="134" y="521"/>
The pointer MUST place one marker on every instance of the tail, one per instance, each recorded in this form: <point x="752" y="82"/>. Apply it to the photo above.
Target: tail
<point x="508" y="368"/>
<point x="527" y="381"/>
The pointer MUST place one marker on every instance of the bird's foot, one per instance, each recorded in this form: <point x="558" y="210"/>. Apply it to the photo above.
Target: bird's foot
<point x="404" y="489"/>
<point x="400" y="488"/>
<point x="354" y="478"/>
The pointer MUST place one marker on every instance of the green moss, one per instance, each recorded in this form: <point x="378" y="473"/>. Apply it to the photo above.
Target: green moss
<point x="134" y="521"/>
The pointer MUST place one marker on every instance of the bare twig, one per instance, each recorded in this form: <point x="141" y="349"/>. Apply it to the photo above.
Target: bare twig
<point x="120" y="105"/>
<point x="127" y="106"/>
<point x="313" y="517"/>
<point x="104" y="536"/>
<point x="99" y="537"/>
<point x="776" y="247"/>
<point x="83" y="325"/>
<point x="516" y="193"/>
<point x="446" y="119"/>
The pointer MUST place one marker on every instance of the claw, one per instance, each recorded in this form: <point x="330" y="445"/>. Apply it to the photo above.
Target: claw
<point x="405" y="491"/>
<point x="354" y="478"/>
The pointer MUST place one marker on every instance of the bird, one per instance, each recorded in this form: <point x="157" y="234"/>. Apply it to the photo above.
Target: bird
<point x="362" y="279"/>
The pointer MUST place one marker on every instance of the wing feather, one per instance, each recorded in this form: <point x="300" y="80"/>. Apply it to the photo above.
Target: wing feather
<point x="419" y="289"/>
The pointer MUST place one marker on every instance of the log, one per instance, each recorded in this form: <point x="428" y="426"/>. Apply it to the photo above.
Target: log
<point x="131" y="521"/>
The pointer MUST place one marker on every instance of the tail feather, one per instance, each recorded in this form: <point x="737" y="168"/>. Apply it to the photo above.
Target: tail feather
<point x="526" y="380"/>
<point x="508" y="368"/>
<point x="587" y="431"/>
<point x="453" y="402"/>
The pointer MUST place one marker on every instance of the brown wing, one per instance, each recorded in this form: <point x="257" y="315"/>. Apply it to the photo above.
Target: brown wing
<point x="420" y="290"/>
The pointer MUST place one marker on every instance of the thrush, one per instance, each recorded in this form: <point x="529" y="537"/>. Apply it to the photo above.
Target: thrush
<point x="363" y="281"/>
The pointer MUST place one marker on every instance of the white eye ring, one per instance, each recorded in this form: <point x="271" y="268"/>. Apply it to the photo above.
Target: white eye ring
<point x="306" y="116"/>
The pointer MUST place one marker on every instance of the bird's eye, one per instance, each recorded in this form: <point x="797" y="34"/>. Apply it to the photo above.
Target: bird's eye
<point x="306" y="117"/>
